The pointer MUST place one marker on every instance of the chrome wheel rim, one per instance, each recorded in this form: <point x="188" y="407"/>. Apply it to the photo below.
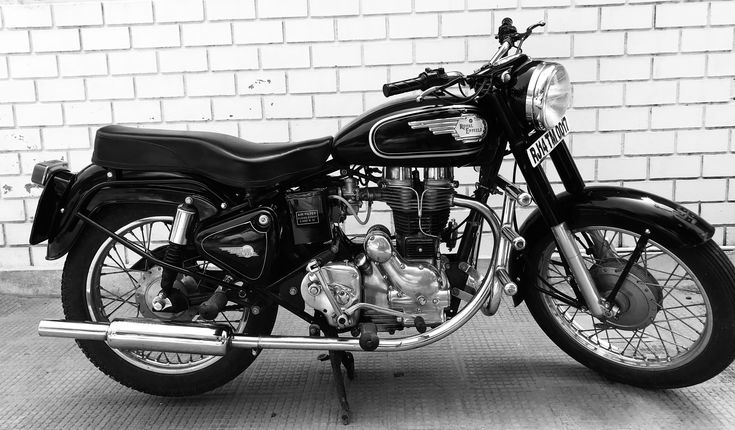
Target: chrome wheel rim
<point x="677" y="333"/>
<point x="117" y="287"/>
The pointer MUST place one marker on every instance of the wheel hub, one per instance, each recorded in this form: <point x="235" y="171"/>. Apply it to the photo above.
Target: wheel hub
<point x="149" y="287"/>
<point x="639" y="298"/>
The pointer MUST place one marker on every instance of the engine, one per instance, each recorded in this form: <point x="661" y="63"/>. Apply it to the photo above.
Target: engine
<point x="394" y="282"/>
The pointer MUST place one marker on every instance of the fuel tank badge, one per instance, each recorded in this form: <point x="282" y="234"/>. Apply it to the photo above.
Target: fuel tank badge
<point x="467" y="128"/>
<point x="245" y="251"/>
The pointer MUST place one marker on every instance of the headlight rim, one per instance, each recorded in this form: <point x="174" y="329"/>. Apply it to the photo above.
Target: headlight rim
<point x="536" y="91"/>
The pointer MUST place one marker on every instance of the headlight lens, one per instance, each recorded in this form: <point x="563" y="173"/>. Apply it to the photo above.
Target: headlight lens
<point x="549" y="95"/>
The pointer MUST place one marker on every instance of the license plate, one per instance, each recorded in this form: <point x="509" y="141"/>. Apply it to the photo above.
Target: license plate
<point x="546" y="143"/>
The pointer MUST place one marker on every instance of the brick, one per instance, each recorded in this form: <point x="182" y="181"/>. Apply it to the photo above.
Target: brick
<point x="210" y="84"/>
<point x="718" y="213"/>
<point x="650" y="93"/>
<point x="38" y="257"/>
<point x="338" y="55"/>
<point x="332" y="105"/>
<point x="208" y="34"/>
<point x="156" y="36"/>
<point x="277" y="107"/>
<point x="12" y="41"/>
<point x="491" y="4"/>
<point x="178" y="11"/>
<point x="77" y="14"/>
<point x="547" y="45"/>
<point x="437" y="5"/>
<point x="136" y="111"/>
<point x="597" y="2"/>
<point x="30" y="159"/>
<point x="372" y="7"/>
<point x="79" y="113"/>
<point x="721" y="64"/>
<point x="722" y="13"/>
<point x="466" y="24"/>
<point x="312" y="128"/>
<point x="36" y="66"/>
<point x="626" y="17"/>
<point x="480" y="48"/>
<point x="66" y="138"/>
<point x="106" y="88"/>
<point x="632" y="118"/>
<point x="597" y="144"/>
<point x="582" y="119"/>
<point x="681" y="14"/>
<point x="413" y="26"/>
<point x="706" y="39"/>
<point x="3" y="67"/>
<point x="715" y="140"/>
<point x="676" y="166"/>
<point x="234" y="108"/>
<point x="649" y="142"/>
<point x="6" y="116"/>
<point x="222" y="127"/>
<point x="9" y="164"/>
<point x="664" y="188"/>
<point x="132" y="62"/>
<point x="362" y="79"/>
<point x="653" y="41"/>
<point x="718" y="165"/>
<point x="26" y="15"/>
<point x="284" y="56"/>
<point x="545" y="3"/>
<point x="309" y="30"/>
<point x="625" y="69"/>
<point x="182" y="60"/>
<point x="20" y="140"/>
<point x="80" y="159"/>
<point x="363" y="28"/>
<point x="38" y="114"/>
<point x="233" y="58"/>
<point x="17" y="91"/>
<point x="679" y="66"/>
<point x="700" y="91"/>
<point x="94" y="39"/>
<point x="701" y="190"/>
<point x="567" y="20"/>
<point x="86" y="64"/>
<point x="599" y="44"/>
<point x="158" y="86"/>
<point x="312" y="81"/>
<point x="394" y="52"/>
<point x="334" y="7"/>
<point x="581" y="70"/>
<point x="676" y="116"/>
<point x="440" y="51"/>
<point x="128" y="12"/>
<point x="265" y="131"/>
<point x="281" y="9"/>
<point x="722" y="115"/>
<point x="598" y="94"/>
<point x="60" y="90"/>
<point x="229" y="9"/>
<point x="187" y="110"/>
<point x="261" y="82"/>
<point x="258" y="32"/>
<point x="621" y="168"/>
<point x="14" y="258"/>
<point x="55" y="40"/>
<point x="17" y="234"/>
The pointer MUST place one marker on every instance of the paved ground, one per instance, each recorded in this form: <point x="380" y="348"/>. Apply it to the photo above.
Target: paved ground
<point x="498" y="372"/>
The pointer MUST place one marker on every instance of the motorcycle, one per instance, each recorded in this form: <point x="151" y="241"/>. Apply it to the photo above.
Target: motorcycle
<point x="182" y="246"/>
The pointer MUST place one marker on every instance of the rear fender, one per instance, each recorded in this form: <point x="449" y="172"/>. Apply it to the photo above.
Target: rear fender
<point x="671" y="224"/>
<point x="95" y="188"/>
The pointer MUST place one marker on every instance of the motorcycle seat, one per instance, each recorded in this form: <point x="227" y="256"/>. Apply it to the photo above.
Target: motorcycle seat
<point x="225" y="159"/>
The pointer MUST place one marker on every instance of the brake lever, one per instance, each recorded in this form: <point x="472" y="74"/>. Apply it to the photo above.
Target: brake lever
<point x="528" y="33"/>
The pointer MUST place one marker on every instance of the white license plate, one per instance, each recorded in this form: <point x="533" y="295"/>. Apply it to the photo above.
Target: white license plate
<point x="546" y="143"/>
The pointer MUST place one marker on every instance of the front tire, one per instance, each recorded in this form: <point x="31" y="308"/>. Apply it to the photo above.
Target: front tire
<point x="677" y="322"/>
<point x="102" y="281"/>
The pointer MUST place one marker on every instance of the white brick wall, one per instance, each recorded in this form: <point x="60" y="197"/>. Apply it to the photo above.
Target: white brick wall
<point x="653" y="81"/>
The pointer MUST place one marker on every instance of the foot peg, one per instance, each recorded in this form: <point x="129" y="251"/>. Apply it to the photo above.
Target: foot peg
<point x="369" y="339"/>
<point x="213" y="305"/>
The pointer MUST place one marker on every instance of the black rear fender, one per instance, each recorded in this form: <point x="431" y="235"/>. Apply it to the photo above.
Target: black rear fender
<point x="96" y="188"/>
<point x="671" y="224"/>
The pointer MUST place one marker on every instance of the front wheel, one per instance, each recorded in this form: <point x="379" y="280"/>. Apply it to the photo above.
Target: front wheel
<point x="675" y="325"/>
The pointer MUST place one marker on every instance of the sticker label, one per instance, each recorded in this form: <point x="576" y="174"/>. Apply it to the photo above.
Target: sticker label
<point x="467" y="128"/>
<point x="307" y="217"/>
<point x="546" y="143"/>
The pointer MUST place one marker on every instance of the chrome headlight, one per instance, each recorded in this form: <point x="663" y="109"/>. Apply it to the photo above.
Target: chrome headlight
<point x="548" y="96"/>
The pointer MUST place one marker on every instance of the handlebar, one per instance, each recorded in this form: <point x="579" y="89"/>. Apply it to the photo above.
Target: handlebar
<point x="427" y="79"/>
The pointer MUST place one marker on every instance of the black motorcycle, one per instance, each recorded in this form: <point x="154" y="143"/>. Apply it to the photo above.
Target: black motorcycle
<point x="182" y="246"/>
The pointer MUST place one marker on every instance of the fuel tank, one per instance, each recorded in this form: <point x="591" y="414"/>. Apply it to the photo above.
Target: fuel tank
<point x="404" y="132"/>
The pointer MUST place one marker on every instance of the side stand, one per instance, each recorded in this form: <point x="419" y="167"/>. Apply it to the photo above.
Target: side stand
<point x="337" y="359"/>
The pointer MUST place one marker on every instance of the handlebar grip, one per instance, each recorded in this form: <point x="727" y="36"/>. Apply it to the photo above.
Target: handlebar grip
<point x="404" y="86"/>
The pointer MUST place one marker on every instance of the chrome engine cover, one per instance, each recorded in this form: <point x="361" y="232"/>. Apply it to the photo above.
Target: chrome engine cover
<point x="343" y="283"/>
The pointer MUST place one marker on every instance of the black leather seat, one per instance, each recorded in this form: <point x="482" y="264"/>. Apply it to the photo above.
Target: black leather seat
<point x="226" y="159"/>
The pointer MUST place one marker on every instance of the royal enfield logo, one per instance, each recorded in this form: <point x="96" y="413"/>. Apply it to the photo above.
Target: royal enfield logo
<point x="245" y="251"/>
<point x="467" y="128"/>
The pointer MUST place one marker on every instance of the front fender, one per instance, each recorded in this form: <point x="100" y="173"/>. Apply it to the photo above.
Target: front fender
<point x="670" y="223"/>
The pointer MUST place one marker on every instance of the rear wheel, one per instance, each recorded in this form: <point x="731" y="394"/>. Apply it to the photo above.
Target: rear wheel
<point x="103" y="281"/>
<point x="676" y="321"/>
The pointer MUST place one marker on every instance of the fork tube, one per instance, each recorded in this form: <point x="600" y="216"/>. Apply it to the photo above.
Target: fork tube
<point x="567" y="168"/>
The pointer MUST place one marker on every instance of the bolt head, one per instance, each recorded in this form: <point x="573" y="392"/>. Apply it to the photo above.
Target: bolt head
<point x="188" y="200"/>
<point x="264" y="220"/>
<point x="293" y="291"/>
<point x="255" y="310"/>
<point x="223" y="205"/>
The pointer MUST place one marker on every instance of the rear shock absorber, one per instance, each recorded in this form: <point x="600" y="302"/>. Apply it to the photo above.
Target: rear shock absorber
<point x="170" y="299"/>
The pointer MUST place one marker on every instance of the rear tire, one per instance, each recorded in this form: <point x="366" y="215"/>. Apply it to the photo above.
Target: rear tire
<point x="687" y="336"/>
<point x="155" y="374"/>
